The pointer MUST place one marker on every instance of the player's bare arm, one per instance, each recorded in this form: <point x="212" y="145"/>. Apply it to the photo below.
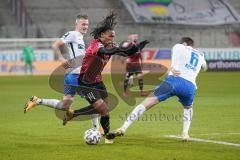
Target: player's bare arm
<point x="56" y="48"/>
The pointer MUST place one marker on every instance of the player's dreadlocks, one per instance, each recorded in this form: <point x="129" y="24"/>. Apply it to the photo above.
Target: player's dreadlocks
<point x="108" y="23"/>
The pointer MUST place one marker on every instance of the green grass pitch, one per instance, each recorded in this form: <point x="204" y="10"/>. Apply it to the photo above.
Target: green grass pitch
<point x="39" y="134"/>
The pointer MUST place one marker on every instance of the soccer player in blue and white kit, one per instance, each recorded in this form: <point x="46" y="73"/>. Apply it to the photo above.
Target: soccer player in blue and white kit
<point x="180" y="82"/>
<point x="76" y="48"/>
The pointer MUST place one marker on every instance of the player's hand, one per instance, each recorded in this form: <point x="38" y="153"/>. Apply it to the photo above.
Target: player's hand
<point x="142" y="44"/>
<point x="129" y="51"/>
<point x="175" y="72"/>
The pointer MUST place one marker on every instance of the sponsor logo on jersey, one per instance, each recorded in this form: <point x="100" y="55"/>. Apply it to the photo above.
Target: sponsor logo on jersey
<point x="81" y="46"/>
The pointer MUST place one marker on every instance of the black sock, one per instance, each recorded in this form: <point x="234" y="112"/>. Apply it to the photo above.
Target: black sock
<point x="85" y="111"/>
<point x="140" y="83"/>
<point x="125" y="84"/>
<point x="105" y="123"/>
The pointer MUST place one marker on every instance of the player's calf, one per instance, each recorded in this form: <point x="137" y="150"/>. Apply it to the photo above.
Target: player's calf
<point x="68" y="116"/>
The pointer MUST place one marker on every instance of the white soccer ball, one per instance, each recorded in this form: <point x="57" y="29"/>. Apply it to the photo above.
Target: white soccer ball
<point x="92" y="136"/>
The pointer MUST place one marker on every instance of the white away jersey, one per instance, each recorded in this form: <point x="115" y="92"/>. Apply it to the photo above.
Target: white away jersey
<point x="188" y="61"/>
<point x="75" y="44"/>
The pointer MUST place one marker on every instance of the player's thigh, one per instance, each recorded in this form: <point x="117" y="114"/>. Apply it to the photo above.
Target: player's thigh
<point x="69" y="90"/>
<point x="163" y="91"/>
<point x="101" y="107"/>
<point x="93" y="93"/>
<point x="186" y="93"/>
<point x="71" y="79"/>
<point x="138" y="70"/>
<point x="70" y="84"/>
<point x="90" y="94"/>
<point x="101" y="104"/>
<point x="150" y="101"/>
<point x="131" y="69"/>
<point x="187" y="101"/>
<point x="128" y="67"/>
<point x="102" y="90"/>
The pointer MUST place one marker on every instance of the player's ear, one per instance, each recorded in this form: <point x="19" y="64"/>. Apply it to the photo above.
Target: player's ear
<point x="77" y="21"/>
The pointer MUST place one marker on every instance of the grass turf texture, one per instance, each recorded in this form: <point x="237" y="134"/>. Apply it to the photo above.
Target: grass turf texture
<point x="40" y="135"/>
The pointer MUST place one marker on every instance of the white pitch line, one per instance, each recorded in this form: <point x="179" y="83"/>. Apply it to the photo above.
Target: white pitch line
<point x="206" y="140"/>
<point x="209" y="134"/>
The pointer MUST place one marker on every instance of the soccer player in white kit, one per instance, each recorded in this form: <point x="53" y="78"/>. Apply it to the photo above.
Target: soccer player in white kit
<point x="185" y="66"/>
<point x="76" y="48"/>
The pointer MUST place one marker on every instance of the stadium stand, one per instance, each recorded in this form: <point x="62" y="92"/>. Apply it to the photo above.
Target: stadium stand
<point x="8" y="25"/>
<point x="54" y="17"/>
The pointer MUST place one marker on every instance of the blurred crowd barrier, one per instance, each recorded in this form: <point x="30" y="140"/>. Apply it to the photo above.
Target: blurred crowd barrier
<point x="45" y="61"/>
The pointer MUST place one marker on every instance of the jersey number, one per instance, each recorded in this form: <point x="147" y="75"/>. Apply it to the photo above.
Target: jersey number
<point x="193" y="61"/>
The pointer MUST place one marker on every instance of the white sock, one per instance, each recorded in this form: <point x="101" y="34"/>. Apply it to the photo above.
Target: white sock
<point x="135" y="114"/>
<point x="187" y="119"/>
<point x="95" y="121"/>
<point x="53" y="103"/>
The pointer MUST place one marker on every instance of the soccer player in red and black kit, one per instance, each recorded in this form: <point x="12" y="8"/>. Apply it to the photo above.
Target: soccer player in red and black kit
<point x="134" y="66"/>
<point x="90" y="80"/>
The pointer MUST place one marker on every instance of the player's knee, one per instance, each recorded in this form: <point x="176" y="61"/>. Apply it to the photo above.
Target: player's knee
<point x="66" y="105"/>
<point x="68" y="97"/>
<point x="188" y="106"/>
<point x="150" y="101"/>
<point x="139" y="75"/>
<point x="98" y="102"/>
<point x="128" y="75"/>
<point x="101" y="107"/>
<point x="106" y="100"/>
<point x="67" y="101"/>
<point x="104" y="111"/>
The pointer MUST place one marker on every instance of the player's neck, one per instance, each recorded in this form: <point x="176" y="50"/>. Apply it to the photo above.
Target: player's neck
<point x="79" y="32"/>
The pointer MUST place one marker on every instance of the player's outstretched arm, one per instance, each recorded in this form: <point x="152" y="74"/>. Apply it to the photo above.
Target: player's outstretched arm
<point x="111" y="51"/>
<point x="123" y="51"/>
<point x="135" y="48"/>
<point x="119" y="51"/>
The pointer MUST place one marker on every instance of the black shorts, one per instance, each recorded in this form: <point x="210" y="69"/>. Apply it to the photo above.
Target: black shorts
<point x="133" y="68"/>
<point x="93" y="92"/>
